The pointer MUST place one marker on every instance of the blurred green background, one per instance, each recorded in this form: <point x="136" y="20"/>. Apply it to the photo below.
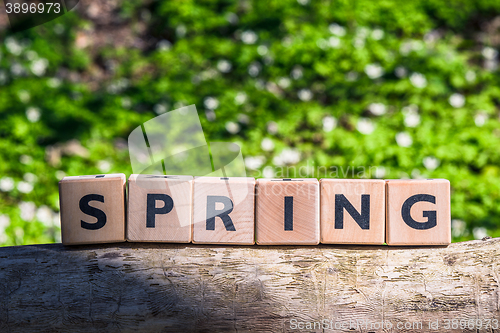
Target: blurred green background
<point x="398" y="89"/>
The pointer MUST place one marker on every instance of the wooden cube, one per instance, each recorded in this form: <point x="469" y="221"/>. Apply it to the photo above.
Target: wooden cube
<point x="224" y="210"/>
<point x="159" y="208"/>
<point x="352" y="211"/>
<point x="92" y="209"/>
<point x="418" y="212"/>
<point x="287" y="211"/>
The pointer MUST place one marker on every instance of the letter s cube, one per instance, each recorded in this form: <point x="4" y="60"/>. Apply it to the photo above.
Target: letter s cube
<point x="92" y="209"/>
<point x="418" y="212"/>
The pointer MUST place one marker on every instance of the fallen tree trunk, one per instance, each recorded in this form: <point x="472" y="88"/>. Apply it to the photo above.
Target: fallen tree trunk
<point x="173" y="288"/>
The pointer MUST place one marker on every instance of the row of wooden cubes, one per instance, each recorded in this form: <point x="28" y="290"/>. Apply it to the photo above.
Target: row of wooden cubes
<point x="214" y="210"/>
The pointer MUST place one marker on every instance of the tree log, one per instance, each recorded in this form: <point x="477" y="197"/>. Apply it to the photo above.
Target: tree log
<point x="132" y="287"/>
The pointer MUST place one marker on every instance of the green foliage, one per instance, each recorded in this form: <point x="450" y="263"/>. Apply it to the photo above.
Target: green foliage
<point x="387" y="89"/>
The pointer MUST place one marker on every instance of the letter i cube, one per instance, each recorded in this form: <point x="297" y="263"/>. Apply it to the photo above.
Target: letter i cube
<point x="287" y="211"/>
<point x="159" y="208"/>
<point x="418" y="212"/>
<point x="92" y="209"/>
<point x="224" y="210"/>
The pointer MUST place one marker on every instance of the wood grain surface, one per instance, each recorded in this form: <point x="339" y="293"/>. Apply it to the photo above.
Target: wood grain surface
<point x="141" y="287"/>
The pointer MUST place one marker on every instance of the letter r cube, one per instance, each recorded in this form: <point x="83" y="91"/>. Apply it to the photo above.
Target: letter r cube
<point x="418" y="212"/>
<point x="92" y="209"/>
<point x="223" y="210"/>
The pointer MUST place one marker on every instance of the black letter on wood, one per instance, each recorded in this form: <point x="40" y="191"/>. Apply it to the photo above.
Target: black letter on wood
<point x="430" y="214"/>
<point x="92" y="211"/>
<point x="212" y="213"/>
<point x="152" y="211"/>
<point x="288" y="213"/>
<point x="363" y="219"/>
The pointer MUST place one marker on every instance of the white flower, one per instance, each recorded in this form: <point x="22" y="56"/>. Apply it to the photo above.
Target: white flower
<point x="13" y="46"/>
<point x="262" y="50"/>
<point x="54" y="82"/>
<point x="404" y="139"/>
<point x="457" y="227"/>
<point x="30" y="177"/>
<point x="457" y="100"/>
<point x="480" y="119"/>
<point x="377" y="109"/>
<point x="3" y="77"/>
<point x="33" y="114"/>
<point x="254" y="162"/>
<point x="401" y="72"/>
<point x="329" y="123"/>
<point x="25" y="159"/>
<point x="224" y="66"/>
<point x="430" y="163"/>
<point x="322" y="43"/>
<point x="232" y="18"/>
<point x="24" y="187"/>
<point x="104" y="166"/>
<point x="296" y="73"/>
<point x="60" y="174"/>
<point x="181" y="30"/>
<point x="17" y="69"/>
<point x="412" y="119"/>
<point x="286" y="157"/>
<point x="240" y="98"/>
<point x="39" y="66"/>
<point x="378" y="34"/>
<point x="284" y="82"/>
<point x="254" y="69"/>
<point x="24" y="96"/>
<point x="365" y="126"/>
<point x="243" y="118"/>
<point x="45" y="215"/>
<point x="4" y="222"/>
<point x="268" y="172"/>
<point x="232" y="127"/>
<point x="351" y="76"/>
<point x="374" y="71"/>
<point x="210" y="114"/>
<point x="6" y="184"/>
<point x="470" y="76"/>
<point x="489" y="53"/>
<point x="380" y="172"/>
<point x="418" y="80"/>
<point x="334" y="42"/>
<point x="160" y="108"/>
<point x="303" y="2"/>
<point x="163" y="45"/>
<point x="272" y="127"/>
<point x="480" y="232"/>
<point x="337" y="29"/>
<point x="305" y="95"/>
<point x="249" y="37"/>
<point x="211" y="103"/>
<point x="358" y="42"/>
<point x="267" y="144"/>
<point x="28" y="210"/>
<point x="31" y="55"/>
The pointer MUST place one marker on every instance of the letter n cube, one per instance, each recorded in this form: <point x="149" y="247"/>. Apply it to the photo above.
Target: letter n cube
<point x="224" y="210"/>
<point x="159" y="208"/>
<point x="418" y="212"/>
<point x="92" y="209"/>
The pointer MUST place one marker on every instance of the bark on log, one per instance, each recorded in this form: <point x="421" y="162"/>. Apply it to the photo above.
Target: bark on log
<point x="133" y="287"/>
